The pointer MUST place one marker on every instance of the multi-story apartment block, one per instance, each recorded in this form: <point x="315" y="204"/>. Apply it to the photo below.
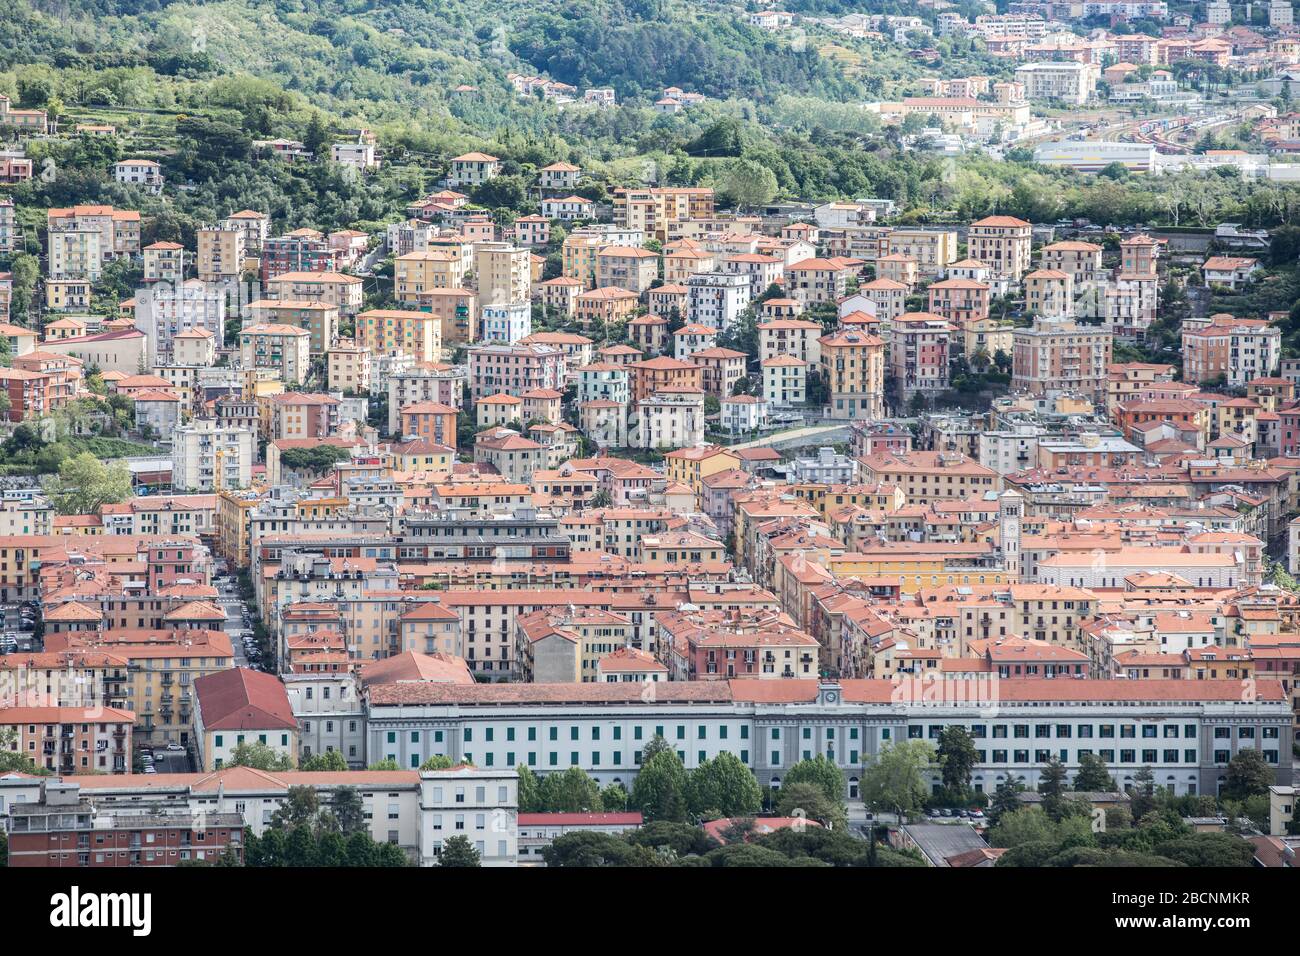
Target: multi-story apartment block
<point x="344" y="292"/>
<point x="284" y="349"/>
<point x="785" y="380"/>
<point x="389" y="331"/>
<point x="347" y="367"/>
<point x="1063" y="82"/>
<point x="960" y="301"/>
<point x="502" y="273"/>
<point x="430" y="382"/>
<point x="1237" y="350"/>
<point x="472" y="169"/>
<point x="853" y="370"/>
<point x="321" y="319"/>
<point x="164" y="262"/>
<point x="119" y="229"/>
<point x="1080" y="260"/>
<point x="654" y="210"/>
<point x="418" y="273"/>
<point x="75" y="254"/>
<point x="669" y="419"/>
<point x="716" y="299"/>
<point x="933" y="249"/>
<point x="627" y="268"/>
<point x="10" y="234"/>
<point x="256" y="227"/>
<point x="209" y="456"/>
<point x="162" y="311"/>
<point x="144" y="173"/>
<point x="1062" y="357"/>
<point x="303" y="250"/>
<point x="514" y="369"/>
<point x="303" y="415"/>
<point x="919" y="352"/>
<point x="705" y="718"/>
<point x="659" y="374"/>
<point x="222" y="252"/>
<point x="1002" y="243"/>
<point x="815" y="281"/>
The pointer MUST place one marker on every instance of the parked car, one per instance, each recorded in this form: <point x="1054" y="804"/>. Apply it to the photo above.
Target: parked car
<point x="148" y="768"/>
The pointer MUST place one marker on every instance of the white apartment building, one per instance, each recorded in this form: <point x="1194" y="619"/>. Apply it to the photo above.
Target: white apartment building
<point x="1072" y="83"/>
<point x="716" y="299"/>
<point x="1186" y="731"/>
<point x="669" y="420"/>
<point x="163" y="310"/>
<point x="207" y="456"/>
<point x="478" y="803"/>
<point x="506" y="323"/>
<point x="76" y="254"/>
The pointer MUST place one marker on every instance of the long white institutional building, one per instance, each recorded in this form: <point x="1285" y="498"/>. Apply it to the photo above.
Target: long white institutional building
<point x="1186" y="731"/>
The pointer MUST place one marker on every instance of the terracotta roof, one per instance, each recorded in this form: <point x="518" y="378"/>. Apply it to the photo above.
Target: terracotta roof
<point x="243" y="699"/>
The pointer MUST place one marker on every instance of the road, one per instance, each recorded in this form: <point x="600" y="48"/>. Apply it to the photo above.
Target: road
<point x="809" y="433"/>
<point x="228" y="599"/>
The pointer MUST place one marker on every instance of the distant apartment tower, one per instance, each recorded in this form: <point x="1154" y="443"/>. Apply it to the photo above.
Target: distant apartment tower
<point x="208" y="456"/>
<point x="221" y="253"/>
<point x="163" y="310"/>
<point x="1061" y="357"/>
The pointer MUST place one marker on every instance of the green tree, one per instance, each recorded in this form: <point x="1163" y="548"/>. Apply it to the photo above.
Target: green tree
<point x="1248" y="775"/>
<point x="1208" y="850"/>
<point x="24" y="271"/>
<point x="957" y="757"/>
<point x="437" y="762"/>
<point x="660" y="788"/>
<point x="723" y="787"/>
<point x="809" y="801"/>
<point x="530" y="790"/>
<point x="570" y="792"/>
<point x="896" y="780"/>
<point x="1006" y="799"/>
<point x="259" y="756"/>
<point x="613" y="799"/>
<point x="458" y="851"/>
<point x="330" y="760"/>
<point x="746" y="184"/>
<point x="1093" y="777"/>
<point x="348" y="810"/>
<point x="1026" y="825"/>
<point x="1142" y="796"/>
<point x="84" y="483"/>
<point x="1051" y="784"/>
<point x="388" y="763"/>
<point x="597" y="849"/>
<point x="820" y="772"/>
<point x="300" y="811"/>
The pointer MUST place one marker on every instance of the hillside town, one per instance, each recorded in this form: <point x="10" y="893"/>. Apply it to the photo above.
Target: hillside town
<point x="528" y="525"/>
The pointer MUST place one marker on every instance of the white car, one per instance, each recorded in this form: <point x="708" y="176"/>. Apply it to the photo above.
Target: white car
<point x="175" y="747"/>
<point x="149" y="769"/>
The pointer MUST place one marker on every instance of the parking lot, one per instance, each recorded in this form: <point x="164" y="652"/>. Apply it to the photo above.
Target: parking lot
<point x="170" y="761"/>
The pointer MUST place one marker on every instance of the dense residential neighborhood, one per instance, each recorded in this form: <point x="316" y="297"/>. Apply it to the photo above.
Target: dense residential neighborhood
<point x="613" y="477"/>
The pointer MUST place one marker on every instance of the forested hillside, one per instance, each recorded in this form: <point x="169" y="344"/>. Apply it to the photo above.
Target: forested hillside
<point x="193" y="85"/>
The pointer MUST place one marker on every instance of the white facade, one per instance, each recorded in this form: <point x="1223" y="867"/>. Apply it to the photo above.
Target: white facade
<point x="479" y="804"/>
<point x="669" y="422"/>
<point x="162" y="310"/>
<point x="506" y="323"/>
<point x="1187" y="743"/>
<point x="743" y="413"/>
<point x="716" y="299"/>
<point x="208" y="457"/>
